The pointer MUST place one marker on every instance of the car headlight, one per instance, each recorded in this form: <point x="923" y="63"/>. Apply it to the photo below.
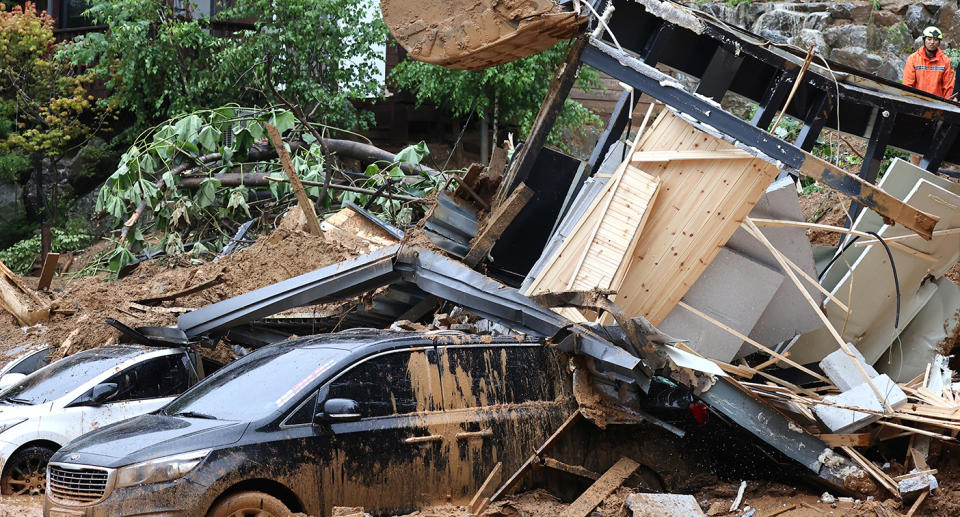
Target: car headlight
<point x="160" y="469"/>
<point x="10" y="422"/>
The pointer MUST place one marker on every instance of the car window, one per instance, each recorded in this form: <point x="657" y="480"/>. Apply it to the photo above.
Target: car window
<point x="394" y="383"/>
<point x="165" y="376"/>
<point x="34" y="362"/>
<point x="304" y="413"/>
<point x="257" y="384"/>
<point x="57" y="379"/>
<point x="477" y="376"/>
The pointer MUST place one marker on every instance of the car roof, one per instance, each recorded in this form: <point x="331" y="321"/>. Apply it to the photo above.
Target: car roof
<point x="116" y="351"/>
<point x="369" y="341"/>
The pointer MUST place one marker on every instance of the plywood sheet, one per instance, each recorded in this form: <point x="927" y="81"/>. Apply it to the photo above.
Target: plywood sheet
<point x="700" y="205"/>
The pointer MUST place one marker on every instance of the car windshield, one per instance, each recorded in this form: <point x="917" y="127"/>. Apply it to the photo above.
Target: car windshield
<point x="62" y="377"/>
<point x="256" y="385"/>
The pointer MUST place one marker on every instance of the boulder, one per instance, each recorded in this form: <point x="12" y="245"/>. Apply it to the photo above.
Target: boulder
<point x="847" y="36"/>
<point x="841" y="11"/>
<point x="779" y="21"/>
<point x="885" y="19"/>
<point x="948" y="19"/>
<point x="892" y="68"/>
<point x="918" y="18"/>
<point x="857" y="57"/>
<point x="899" y="40"/>
<point x="809" y="37"/>
<point x="816" y="21"/>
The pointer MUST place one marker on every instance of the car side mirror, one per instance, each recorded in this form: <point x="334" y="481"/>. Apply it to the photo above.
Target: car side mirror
<point x="97" y="394"/>
<point x="10" y="379"/>
<point x="339" y="411"/>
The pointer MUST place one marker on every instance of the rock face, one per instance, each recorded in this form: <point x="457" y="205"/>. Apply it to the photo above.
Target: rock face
<point x="872" y="37"/>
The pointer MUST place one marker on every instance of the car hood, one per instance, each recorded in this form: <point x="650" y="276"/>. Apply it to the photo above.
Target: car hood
<point x="147" y="437"/>
<point x="9" y="412"/>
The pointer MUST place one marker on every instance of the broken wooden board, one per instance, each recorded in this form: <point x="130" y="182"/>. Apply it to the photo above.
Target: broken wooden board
<point x="49" y="269"/>
<point x="496" y="223"/>
<point x="19" y="301"/>
<point x="700" y="205"/>
<point x="870" y="286"/>
<point x="313" y="225"/>
<point x="593" y="254"/>
<point x="601" y="488"/>
<point x="347" y="227"/>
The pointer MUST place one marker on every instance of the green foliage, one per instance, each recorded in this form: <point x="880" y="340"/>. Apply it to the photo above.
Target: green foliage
<point x="21" y="257"/>
<point x="953" y="54"/>
<point x="513" y="92"/>
<point x="160" y="64"/>
<point x="150" y="171"/>
<point x="899" y="37"/>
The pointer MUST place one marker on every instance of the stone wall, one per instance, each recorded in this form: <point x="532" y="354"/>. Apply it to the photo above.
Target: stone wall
<point x="875" y="38"/>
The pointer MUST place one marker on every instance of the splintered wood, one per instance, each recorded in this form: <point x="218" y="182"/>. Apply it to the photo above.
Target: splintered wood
<point x="700" y="205"/>
<point x="19" y="301"/>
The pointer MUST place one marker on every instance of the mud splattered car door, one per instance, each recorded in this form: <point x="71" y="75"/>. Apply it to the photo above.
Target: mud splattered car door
<point x="393" y="458"/>
<point x="142" y="388"/>
<point x="504" y="401"/>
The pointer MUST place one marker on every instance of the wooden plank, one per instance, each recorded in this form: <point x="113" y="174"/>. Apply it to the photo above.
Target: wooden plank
<point x="19" y="301"/>
<point x="693" y="154"/>
<point x="877" y="474"/>
<point x="697" y="210"/>
<point x="917" y="503"/>
<point x="49" y="268"/>
<point x="847" y="440"/>
<point x="576" y="470"/>
<point x="511" y="483"/>
<point x="872" y="196"/>
<point x="486" y="489"/>
<point x="313" y="224"/>
<point x="496" y="223"/>
<point x="601" y="488"/>
<point x="183" y="292"/>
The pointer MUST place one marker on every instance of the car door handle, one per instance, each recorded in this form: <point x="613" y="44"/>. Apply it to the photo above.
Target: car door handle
<point x="466" y="435"/>
<point x="423" y="439"/>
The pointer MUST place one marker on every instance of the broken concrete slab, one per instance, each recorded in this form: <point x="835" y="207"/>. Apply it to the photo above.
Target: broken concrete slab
<point x="922" y="339"/>
<point x="840" y="368"/>
<point x="788" y="314"/>
<point x="843" y="421"/>
<point x="872" y="325"/>
<point x="734" y="290"/>
<point x="663" y="505"/>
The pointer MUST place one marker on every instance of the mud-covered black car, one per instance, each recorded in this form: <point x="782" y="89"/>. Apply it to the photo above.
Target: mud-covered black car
<point x="383" y="420"/>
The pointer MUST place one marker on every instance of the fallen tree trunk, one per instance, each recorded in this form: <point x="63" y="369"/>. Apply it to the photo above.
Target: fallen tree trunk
<point x="234" y="179"/>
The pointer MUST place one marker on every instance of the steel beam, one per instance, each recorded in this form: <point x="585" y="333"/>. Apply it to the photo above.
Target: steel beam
<point x="773" y="99"/>
<point x="719" y="74"/>
<point x="873" y="158"/>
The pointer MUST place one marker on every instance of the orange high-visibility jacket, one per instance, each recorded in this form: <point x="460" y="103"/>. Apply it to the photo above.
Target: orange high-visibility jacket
<point x="930" y="75"/>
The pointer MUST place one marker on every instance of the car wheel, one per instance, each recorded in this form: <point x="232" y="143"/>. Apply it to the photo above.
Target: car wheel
<point x="26" y="472"/>
<point x="250" y="504"/>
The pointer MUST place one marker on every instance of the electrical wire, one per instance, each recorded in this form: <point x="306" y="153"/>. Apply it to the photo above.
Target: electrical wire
<point x="896" y="279"/>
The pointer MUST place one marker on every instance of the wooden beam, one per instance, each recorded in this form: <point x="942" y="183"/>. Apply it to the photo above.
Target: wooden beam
<point x="691" y="154"/>
<point x="49" y="268"/>
<point x="576" y="470"/>
<point x="313" y="224"/>
<point x="847" y="440"/>
<point x="601" y="488"/>
<point x="496" y="223"/>
<point x="511" y="483"/>
<point x="19" y="301"/>
<point x="482" y="497"/>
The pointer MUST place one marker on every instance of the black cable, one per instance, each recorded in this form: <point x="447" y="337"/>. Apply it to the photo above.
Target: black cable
<point x="896" y="279"/>
<point x="457" y="143"/>
<point x="835" y="257"/>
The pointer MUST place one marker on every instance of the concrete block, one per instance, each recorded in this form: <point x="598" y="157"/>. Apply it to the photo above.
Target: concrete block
<point x="734" y="290"/>
<point x="788" y="314"/>
<point x="918" y="483"/>
<point x="840" y="369"/>
<point x="663" y="505"/>
<point x="843" y="421"/>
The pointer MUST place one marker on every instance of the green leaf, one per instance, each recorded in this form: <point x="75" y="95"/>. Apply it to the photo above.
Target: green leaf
<point x="243" y="141"/>
<point x="238" y="199"/>
<point x="371" y="170"/>
<point x="207" y="193"/>
<point x="413" y="153"/>
<point x="120" y="258"/>
<point x="255" y="128"/>
<point x="210" y="138"/>
<point x="169" y="180"/>
<point x="187" y="128"/>
<point x="284" y="121"/>
<point x="279" y="188"/>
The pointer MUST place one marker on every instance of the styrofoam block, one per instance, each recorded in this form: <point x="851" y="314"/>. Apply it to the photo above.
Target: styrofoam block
<point x="920" y="341"/>
<point x="842" y="371"/>
<point x="926" y="481"/>
<point x="663" y="505"/>
<point x="842" y="421"/>
<point x="733" y="290"/>
<point x="788" y="313"/>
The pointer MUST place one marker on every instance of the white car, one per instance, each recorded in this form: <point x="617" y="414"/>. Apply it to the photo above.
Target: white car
<point x="80" y="393"/>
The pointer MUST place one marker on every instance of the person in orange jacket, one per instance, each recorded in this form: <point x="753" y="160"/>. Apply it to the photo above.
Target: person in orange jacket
<point x="929" y="68"/>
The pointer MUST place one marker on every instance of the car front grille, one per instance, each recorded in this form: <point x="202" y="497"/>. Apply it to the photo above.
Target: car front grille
<point x="77" y="484"/>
